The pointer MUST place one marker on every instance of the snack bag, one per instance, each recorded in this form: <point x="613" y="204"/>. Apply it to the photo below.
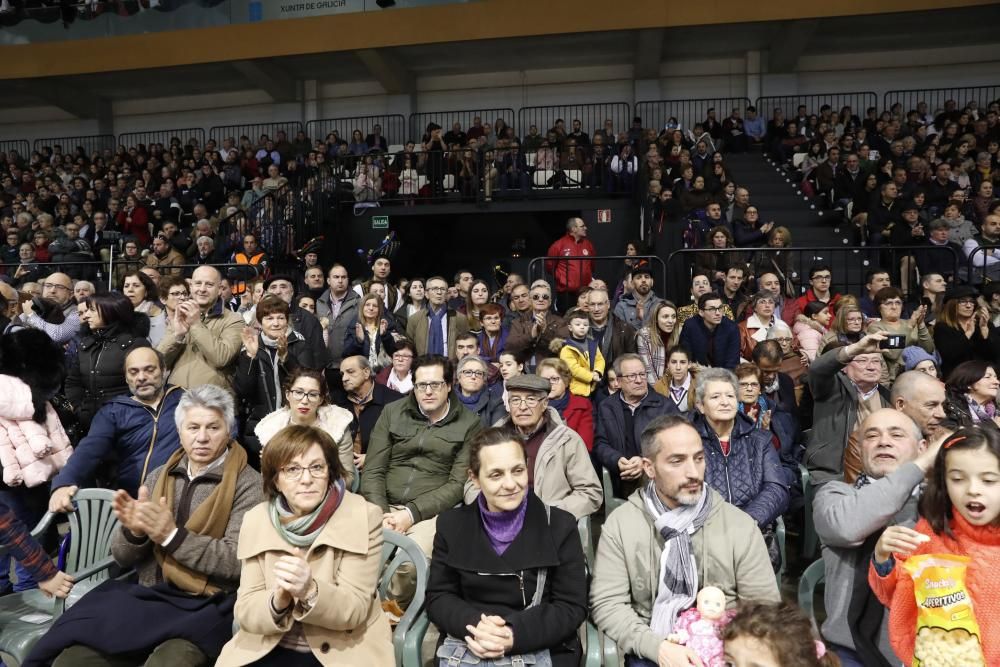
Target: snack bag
<point x="947" y="631"/>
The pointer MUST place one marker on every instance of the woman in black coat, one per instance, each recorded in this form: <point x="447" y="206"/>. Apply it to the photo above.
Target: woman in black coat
<point x="110" y="330"/>
<point x="489" y="556"/>
<point x="267" y="358"/>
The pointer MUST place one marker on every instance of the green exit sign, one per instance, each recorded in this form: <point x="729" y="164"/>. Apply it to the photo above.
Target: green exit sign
<point x="380" y="222"/>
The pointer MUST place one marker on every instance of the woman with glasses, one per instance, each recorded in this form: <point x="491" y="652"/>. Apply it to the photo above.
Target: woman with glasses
<point x="311" y="557"/>
<point x="398" y="376"/>
<point x="472" y="391"/>
<point x="963" y="331"/>
<point x="307" y="404"/>
<point x="889" y="302"/>
<point x="848" y="326"/>
<point x="269" y="354"/>
<point x="576" y="411"/>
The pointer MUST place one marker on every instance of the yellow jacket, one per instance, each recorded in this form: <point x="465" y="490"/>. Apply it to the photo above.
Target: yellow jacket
<point x="582" y="381"/>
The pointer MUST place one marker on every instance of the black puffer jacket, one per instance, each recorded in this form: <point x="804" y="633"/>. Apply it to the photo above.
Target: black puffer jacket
<point x="99" y="372"/>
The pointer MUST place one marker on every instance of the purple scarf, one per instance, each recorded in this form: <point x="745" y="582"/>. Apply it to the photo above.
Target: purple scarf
<point x="502" y="527"/>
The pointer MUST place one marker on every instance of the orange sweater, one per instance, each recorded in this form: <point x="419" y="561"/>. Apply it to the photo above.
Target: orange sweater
<point x="982" y="545"/>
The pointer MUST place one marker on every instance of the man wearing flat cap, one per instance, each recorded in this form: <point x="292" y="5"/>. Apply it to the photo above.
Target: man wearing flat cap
<point x="559" y="467"/>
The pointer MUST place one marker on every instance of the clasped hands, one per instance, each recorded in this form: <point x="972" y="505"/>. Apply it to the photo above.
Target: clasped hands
<point x="491" y="638"/>
<point x="144" y="517"/>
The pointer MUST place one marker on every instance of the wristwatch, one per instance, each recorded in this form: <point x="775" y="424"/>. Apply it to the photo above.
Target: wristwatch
<point x="309" y="601"/>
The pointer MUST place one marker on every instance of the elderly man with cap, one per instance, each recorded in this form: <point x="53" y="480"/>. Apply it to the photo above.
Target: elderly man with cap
<point x="850" y="517"/>
<point x="559" y="467"/>
<point x="636" y="307"/>
<point x="301" y="321"/>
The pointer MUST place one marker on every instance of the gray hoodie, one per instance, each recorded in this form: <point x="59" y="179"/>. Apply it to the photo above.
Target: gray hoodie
<point x="844" y="517"/>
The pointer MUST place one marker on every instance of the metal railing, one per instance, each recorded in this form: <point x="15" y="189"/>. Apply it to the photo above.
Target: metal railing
<point x="936" y="97"/>
<point x="96" y="143"/>
<point x="190" y="136"/>
<point x="22" y="147"/>
<point x="610" y="274"/>
<point x="591" y="117"/>
<point x="847" y="263"/>
<point x="254" y="131"/>
<point x="656" y="113"/>
<point x="420" y="121"/>
<point x="789" y="104"/>
<point x="393" y="128"/>
<point x="981" y="270"/>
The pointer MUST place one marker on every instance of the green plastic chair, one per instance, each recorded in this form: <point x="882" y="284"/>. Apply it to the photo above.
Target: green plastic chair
<point x="610" y="501"/>
<point x="810" y="541"/>
<point x="779" y="534"/>
<point x="408" y="637"/>
<point x="610" y="653"/>
<point x="587" y="539"/>
<point x="26" y="616"/>
<point x="814" y="575"/>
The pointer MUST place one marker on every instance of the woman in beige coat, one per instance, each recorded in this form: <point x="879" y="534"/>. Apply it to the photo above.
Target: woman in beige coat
<point x="311" y="555"/>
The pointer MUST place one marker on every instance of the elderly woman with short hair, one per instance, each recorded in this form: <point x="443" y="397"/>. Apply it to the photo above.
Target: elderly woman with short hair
<point x="473" y="393"/>
<point x="740" y="461"/>
<point x="180" y="536"/>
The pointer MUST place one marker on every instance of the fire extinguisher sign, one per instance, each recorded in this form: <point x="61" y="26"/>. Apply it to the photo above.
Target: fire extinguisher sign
<point x="603" y="215"/>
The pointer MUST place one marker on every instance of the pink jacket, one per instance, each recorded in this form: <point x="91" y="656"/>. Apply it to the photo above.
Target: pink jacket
<point x="30" y="453"/>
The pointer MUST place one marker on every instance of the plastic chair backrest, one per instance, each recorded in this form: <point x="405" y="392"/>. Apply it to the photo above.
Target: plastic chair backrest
<point x="396" y="550"/>
<point x="610" y="501"/>
<point x="91" y="527"/>
<point x="812" y="577"/>
<point x="586" y="539"/>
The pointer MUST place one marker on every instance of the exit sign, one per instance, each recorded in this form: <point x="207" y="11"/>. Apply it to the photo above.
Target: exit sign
<point x="604" y="215"/>
<point x="380" y="222"/>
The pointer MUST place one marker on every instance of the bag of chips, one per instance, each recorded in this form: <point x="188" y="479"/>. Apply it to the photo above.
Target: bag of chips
<point x="947" y="631"/>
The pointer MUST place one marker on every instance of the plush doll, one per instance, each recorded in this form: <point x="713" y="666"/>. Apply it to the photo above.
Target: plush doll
<point x="33" y="443"/>
<point x="700" y="628"/>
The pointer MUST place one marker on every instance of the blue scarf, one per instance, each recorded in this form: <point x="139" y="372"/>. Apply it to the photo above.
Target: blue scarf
<point x="560" y="404"/>
<point x="435" y="338"/>
<point x="469" y="401"/>
<point x="761" y="403"/>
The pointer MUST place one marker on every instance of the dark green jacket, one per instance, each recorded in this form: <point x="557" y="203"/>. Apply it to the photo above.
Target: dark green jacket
<point x="416" y="464"/>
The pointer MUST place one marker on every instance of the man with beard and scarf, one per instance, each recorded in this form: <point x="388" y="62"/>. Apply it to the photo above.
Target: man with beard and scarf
<point x="670" y="538"/>
<point x="849" y="521"/>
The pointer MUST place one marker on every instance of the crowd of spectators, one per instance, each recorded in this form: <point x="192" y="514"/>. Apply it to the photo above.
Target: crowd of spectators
<point x="263" y="429"/>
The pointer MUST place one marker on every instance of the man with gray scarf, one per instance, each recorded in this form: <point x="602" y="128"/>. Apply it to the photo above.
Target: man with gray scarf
<point x="672" y="537"/>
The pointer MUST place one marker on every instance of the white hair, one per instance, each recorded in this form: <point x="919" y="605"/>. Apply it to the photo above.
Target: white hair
<point x="210" y="397"/>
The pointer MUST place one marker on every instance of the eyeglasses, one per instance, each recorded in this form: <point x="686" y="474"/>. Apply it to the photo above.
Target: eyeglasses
<point x="966" y="302"/>
<point x="712" y="309"/>
<point x="473" y="374"/>
<point x="783" y="339"/>
<point x="401" y="357"/>
<point x="633" y="377"/>
<point x="895" y="303"/>
<point x="177" y="294"/>
<point x="298" y="395"/>
<point x="316" y="471"/>
<point x="540" y="297"/>
<point x="530" y="401"/>
<point x="749" y="385"/>
<point x="822" y="277"/>
<point x="437" y="289"/>
<point x="554" y="380"/>
<point x="433" y="386"/>
<point x="54" y="286"/>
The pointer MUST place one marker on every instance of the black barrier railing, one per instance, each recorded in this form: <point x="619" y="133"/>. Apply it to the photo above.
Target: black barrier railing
<point x="789" y="104"/>
<point x="984" y="265"/>
<point x="97" y="143"/>
<point x="591" y="117"/>
<point x="446" y="119"/>
<point x="22" y="147"/>
<point x="655" y="114"/>
<point x="393" y="128"/>
<point x="937" y="97"/>
<point x="282" y="219"/>
<point x="254" y="131"/>
<point x="190" y="136"/>
<point x="847" y="263"/>
<point x="609" y="274"/>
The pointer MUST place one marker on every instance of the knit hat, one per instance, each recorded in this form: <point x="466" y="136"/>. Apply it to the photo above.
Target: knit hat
<point x="914" y="355"/>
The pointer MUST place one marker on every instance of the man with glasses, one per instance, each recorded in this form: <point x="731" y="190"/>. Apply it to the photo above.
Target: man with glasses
<point x="58" y="288"/>
<point x="418" y="460"/>
<point x="614" y="336"/>
<point x="845" y="387"/>
<point x="621" y="421"/>
<point x="820" y="279"/>
<point x="436" y="330"/>
<point x="710" y="337"/>
<point x="559" y="467"/>
<point x="530" y="337"/>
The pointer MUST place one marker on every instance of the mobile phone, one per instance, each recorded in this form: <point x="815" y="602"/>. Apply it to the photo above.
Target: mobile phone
<point x="893" y="342"/>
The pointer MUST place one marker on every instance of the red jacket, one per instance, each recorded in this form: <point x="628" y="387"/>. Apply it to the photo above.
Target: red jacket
<point x="579" y="416"/>
<point x="571" y="274"/>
